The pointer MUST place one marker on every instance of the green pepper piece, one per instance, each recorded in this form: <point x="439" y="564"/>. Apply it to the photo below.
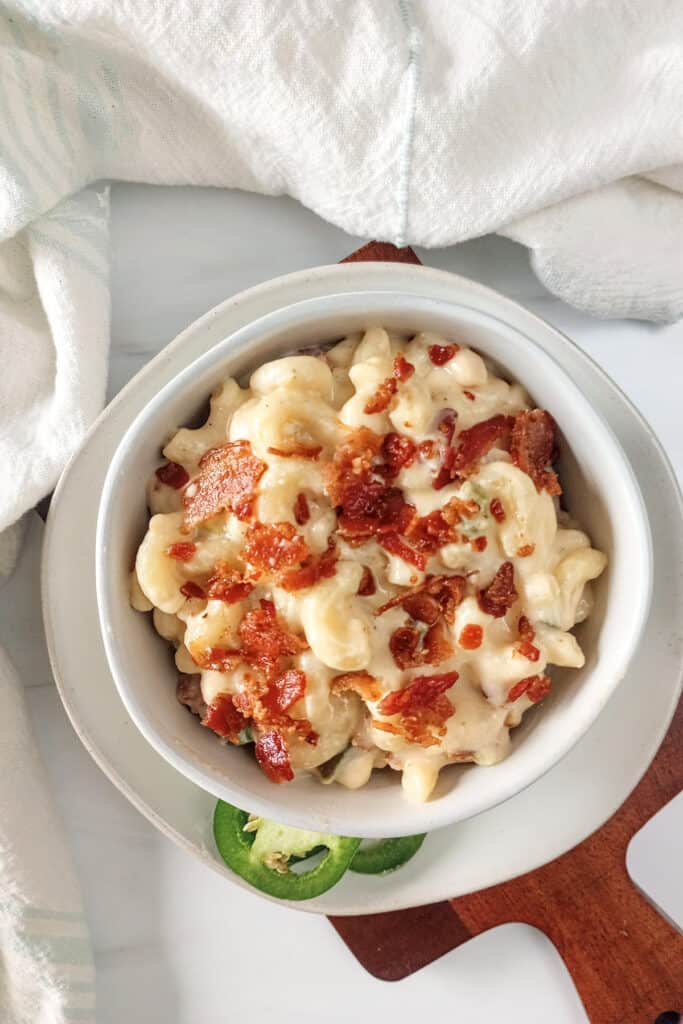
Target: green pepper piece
<point x="386" y="855"/>
<point x="261" y="856"/>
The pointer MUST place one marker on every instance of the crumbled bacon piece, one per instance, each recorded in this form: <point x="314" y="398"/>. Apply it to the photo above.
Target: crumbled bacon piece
<point x="362" y="683"/>
<point x="217" y="659"/>
<point x="298" y="451"/>
<point x="191" y="589"/>
<point x="285" y="691"/>
<point x="479" y="543"/>
<point x="528" y="651"/>
<point x="422" y="607"/>
<point x="403" y="644"/>
<point x="535" y="687"/>
<point x="264" y="640"/>
<point x="419" y="693"/>
<point x="183" y="551"/>
<point x="273" y="757"/>
<point x="315" y="568"/>
<point x="497" y="510"/>
<point x="398" y="452"/>
<point x="189" y="692"/>
<point x="470" y="395"/>
<point x="500" y="593"/>
<point x="526" y="550"/>
<point x="448" y="591"/>
<point x="471" y="636"/>
<point x="223" y="718"/>
<point x="532" y="448"/>
<point x="392" y="543"/>
<point x="226" y="584"/>
<point x="402" y="368"/>
<point x="458" y="508"/>
<point x="302" y="512"/>
<point x="274" y="546"/>
<point x="525" y="629"/>
<point x="431" y="532"/>
<point x="539" y="688"/>
<point x="476" y="441"/>
<point x="226" y="481"/>
<point x="382" y="397"/>
<point x="442" y="354"/>
<point x="447" y="428"/>
<point x="436" y="645"/>
<point x="427" y="449"/>
<point x="367" y="586"/>
<point x="173" y="475"/>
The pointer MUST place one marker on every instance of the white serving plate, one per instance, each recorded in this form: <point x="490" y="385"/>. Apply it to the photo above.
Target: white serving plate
<point x="535" y="826"/>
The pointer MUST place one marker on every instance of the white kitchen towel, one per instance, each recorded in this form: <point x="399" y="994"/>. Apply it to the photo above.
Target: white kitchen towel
<point x="554" y="122"/>
<point x="46" y="966"/>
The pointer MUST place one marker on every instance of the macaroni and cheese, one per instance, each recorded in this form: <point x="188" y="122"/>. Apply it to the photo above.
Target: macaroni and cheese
<point x="361" y="561"/>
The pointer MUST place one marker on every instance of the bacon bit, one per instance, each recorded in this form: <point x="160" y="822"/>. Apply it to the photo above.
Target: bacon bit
<point x="427" y="449"/>
<point x="223" y="718"/>
<point x="367" y="586"/>
<point x="382" y="397"/>
<point x="471" y="637"/>
<point x="533" y="446"/>
<point x="442" y="354"/>
<point x="362" y="683"/>
<point x="497" y="511"/>
<point x="183" y="551"/>
<point x="429" y="533"/>
<point x="448" y="591"/>
<point x="479" y="543"/>
<point x="392" y="543"/>
<point x="536" y="688"/>
<point x="398" y="452"/>
<point x="419" y="693"/>
<point x="539" y="688"/>
<point x="227" y="480"/>
<point x="264" y="640"/>
<point x="302" y="512"/>
<point x="317" y="567"/>
<point x="436" y="645"/>
<point x="474" y="443"/>
<point x="285" y="691"/>
<point x="402" y="368"/>
<point x="217" y="659"/>
<point x="173" y="475"/>
<point x="528" y="651"/>
<point x="191" y="589"/>
<point x="274" y="546"/>
<point x="226" y="584"/>
<point x="272" y="756"/>
<point x="500" y="593"/>
<point x="525" y="629"/>
<point x="470" y="395"/>
<point x="447" y="428"/>
<point x="457" y="509"/>
<point x="526" y="550"/>
<point x="386" y="727"/>
<point x="298" y="451"/>
<point x="403" y="646"/>
<point x="422" y="607"/>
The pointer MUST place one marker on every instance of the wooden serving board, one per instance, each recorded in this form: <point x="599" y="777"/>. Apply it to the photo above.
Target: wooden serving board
<point x="625" y="958"/>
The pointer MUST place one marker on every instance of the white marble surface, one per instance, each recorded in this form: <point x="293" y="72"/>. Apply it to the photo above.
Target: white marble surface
<point x="173" y="943"/>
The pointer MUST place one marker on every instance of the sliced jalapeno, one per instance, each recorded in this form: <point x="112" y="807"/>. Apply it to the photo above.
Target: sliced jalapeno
<point x="261" y="851"/>
<point x="385" y="855"/>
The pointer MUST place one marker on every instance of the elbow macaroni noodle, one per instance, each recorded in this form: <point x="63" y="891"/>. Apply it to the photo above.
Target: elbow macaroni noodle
<point x="318" y="402"/>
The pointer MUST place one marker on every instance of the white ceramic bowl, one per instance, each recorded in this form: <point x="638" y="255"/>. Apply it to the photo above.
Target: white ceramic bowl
<point x="599" y="486"/>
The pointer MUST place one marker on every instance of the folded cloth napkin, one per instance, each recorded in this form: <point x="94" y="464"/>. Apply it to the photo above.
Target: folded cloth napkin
<point x="554" y="122"/>
<point x="46" y="967"/>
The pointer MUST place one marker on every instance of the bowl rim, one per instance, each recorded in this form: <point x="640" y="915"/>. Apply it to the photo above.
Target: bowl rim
<point x="235" y="346"/>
